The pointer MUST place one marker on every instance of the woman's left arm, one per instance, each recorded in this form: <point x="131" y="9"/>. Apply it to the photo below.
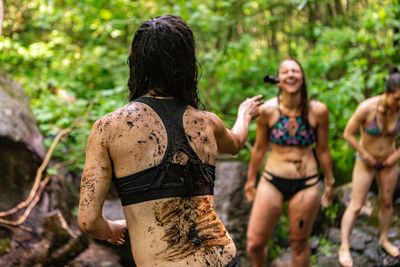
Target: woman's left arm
<point x="95" y="183"/>
<point x="323" y="152"/>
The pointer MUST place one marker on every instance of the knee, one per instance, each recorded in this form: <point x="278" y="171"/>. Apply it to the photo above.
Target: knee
<point x="298" y="245"/>
<point x="255" y="245"/>
<point x="355" y="207"/>
<point x="385" y="203"/>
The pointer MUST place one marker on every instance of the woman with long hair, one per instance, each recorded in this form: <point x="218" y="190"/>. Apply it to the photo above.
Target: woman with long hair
<point x="378" y="119"/>
<point x="160" y="151"/>
<point x="292" y="125"/>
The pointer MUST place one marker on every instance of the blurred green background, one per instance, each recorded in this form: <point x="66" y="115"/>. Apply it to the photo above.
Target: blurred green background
<point x="71" y="57"/>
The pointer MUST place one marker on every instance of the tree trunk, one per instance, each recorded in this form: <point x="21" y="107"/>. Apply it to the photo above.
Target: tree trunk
<point x="1" y="16"/>
<point x="331" y="13"/>
<point x="396" y="33"/>
<point x="338" y="7"/>
<point x="312" y="19"/>
<point x="273" y="32"/>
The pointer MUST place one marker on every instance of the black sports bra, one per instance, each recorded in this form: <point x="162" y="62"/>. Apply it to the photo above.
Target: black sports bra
<point x="168" y="179"/>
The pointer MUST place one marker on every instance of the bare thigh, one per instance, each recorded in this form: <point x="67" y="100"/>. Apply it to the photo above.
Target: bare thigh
<point x="361" y="182"/>
<point x="267" y="208"/>
<point x="303" y="208"/>
<point x="387" y="180"/>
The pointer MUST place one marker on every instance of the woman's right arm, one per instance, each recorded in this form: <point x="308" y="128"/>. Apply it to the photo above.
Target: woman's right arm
<point x="352" y="127"/>
<point x="231" y="141"/>
<point x="95" y="182"/>
<point x="258" y="153"/>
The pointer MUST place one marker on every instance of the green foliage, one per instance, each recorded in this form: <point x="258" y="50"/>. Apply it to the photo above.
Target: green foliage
<point x="325" y="247"/>
<point x="274" y="250"/>
<point x="5" y="245"/>
<point x="331" y="212"/>
<point x="71" y="57"/>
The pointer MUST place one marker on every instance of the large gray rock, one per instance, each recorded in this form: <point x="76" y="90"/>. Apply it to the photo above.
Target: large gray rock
<point x="343" y="196"/>
<point x="21" y="144"/>
<point x="364" y="240"/>
<point x="231" y="205"/>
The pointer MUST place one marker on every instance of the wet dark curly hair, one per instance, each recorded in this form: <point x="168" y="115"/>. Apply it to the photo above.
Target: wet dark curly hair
<point x="163" y="60"/>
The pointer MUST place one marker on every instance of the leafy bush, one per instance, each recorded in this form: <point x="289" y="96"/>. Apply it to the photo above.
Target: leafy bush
<point x="81" y="49"/>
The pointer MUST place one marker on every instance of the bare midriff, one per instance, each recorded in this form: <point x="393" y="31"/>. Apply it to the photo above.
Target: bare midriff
<point x="380" y="147"/>
<point x="291" y="161"/>
<point x="178" y="232"/>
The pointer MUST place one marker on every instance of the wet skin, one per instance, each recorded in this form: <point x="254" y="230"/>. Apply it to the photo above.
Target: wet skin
<point x="179" y="231"/>
<point x="291" y="162"/>
<point x="376" y="154"/>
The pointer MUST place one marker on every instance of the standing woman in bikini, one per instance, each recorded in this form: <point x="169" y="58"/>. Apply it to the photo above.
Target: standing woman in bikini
<point x="160" y="150"/>
<point x="378" y="119"/>
<point x="292" y="125"/>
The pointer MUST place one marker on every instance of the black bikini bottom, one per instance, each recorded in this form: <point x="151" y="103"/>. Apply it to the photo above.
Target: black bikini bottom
<point x="289" y="187"/>
<point x="234" y="262"/>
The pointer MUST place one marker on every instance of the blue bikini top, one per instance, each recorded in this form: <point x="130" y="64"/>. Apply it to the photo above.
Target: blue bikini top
<point x="279" y="133"/>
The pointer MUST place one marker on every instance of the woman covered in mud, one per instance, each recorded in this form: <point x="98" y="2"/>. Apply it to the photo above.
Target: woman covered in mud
<point x="161" y="152"/>
<point x="292" y="125"/>
<point x="378" y="119"/>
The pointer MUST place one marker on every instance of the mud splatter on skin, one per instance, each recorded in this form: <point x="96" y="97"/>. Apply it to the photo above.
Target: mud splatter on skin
<point x="88" y="186"/>
<point x="190" y="225"/>
<point x="99" y="128"/>
<point x="101" y="125"/>
<point x="299" y="167"/>
<point x="130" y="124"/>
<point x="150" y="230"/>
<point x="90" y="178"/>
<point x="160" y="148"/>
<point x="200" y="135"/>
<point x="150" y="141"/>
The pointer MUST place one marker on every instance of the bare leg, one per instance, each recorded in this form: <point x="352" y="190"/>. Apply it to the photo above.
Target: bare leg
<point x="387" y="179"/>
<point x="267" y="208"/>
<point x="303" y="208"/>
<point x="362" y="178"/>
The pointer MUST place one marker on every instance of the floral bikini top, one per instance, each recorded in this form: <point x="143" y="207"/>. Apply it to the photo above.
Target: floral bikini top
<point x="279" y="134"/>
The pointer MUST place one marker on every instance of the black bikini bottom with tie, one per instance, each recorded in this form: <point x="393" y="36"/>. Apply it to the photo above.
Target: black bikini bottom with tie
<point x="289" y="187"/>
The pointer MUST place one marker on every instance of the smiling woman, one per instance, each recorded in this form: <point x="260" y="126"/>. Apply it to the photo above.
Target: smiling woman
<point x="293" y="125"/>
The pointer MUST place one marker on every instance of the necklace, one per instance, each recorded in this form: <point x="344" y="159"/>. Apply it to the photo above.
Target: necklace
<point x="292" y="122"/>
<point x="292" y="126"/>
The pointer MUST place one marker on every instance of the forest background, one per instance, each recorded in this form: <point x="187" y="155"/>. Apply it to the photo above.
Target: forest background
<point x="71" y="57"/>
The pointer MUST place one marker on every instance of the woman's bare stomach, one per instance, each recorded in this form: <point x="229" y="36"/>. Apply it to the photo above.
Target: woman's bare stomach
<point x="178" y="232"/>
<point x="379" y="147"/>
<point x="291" y="162"/>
